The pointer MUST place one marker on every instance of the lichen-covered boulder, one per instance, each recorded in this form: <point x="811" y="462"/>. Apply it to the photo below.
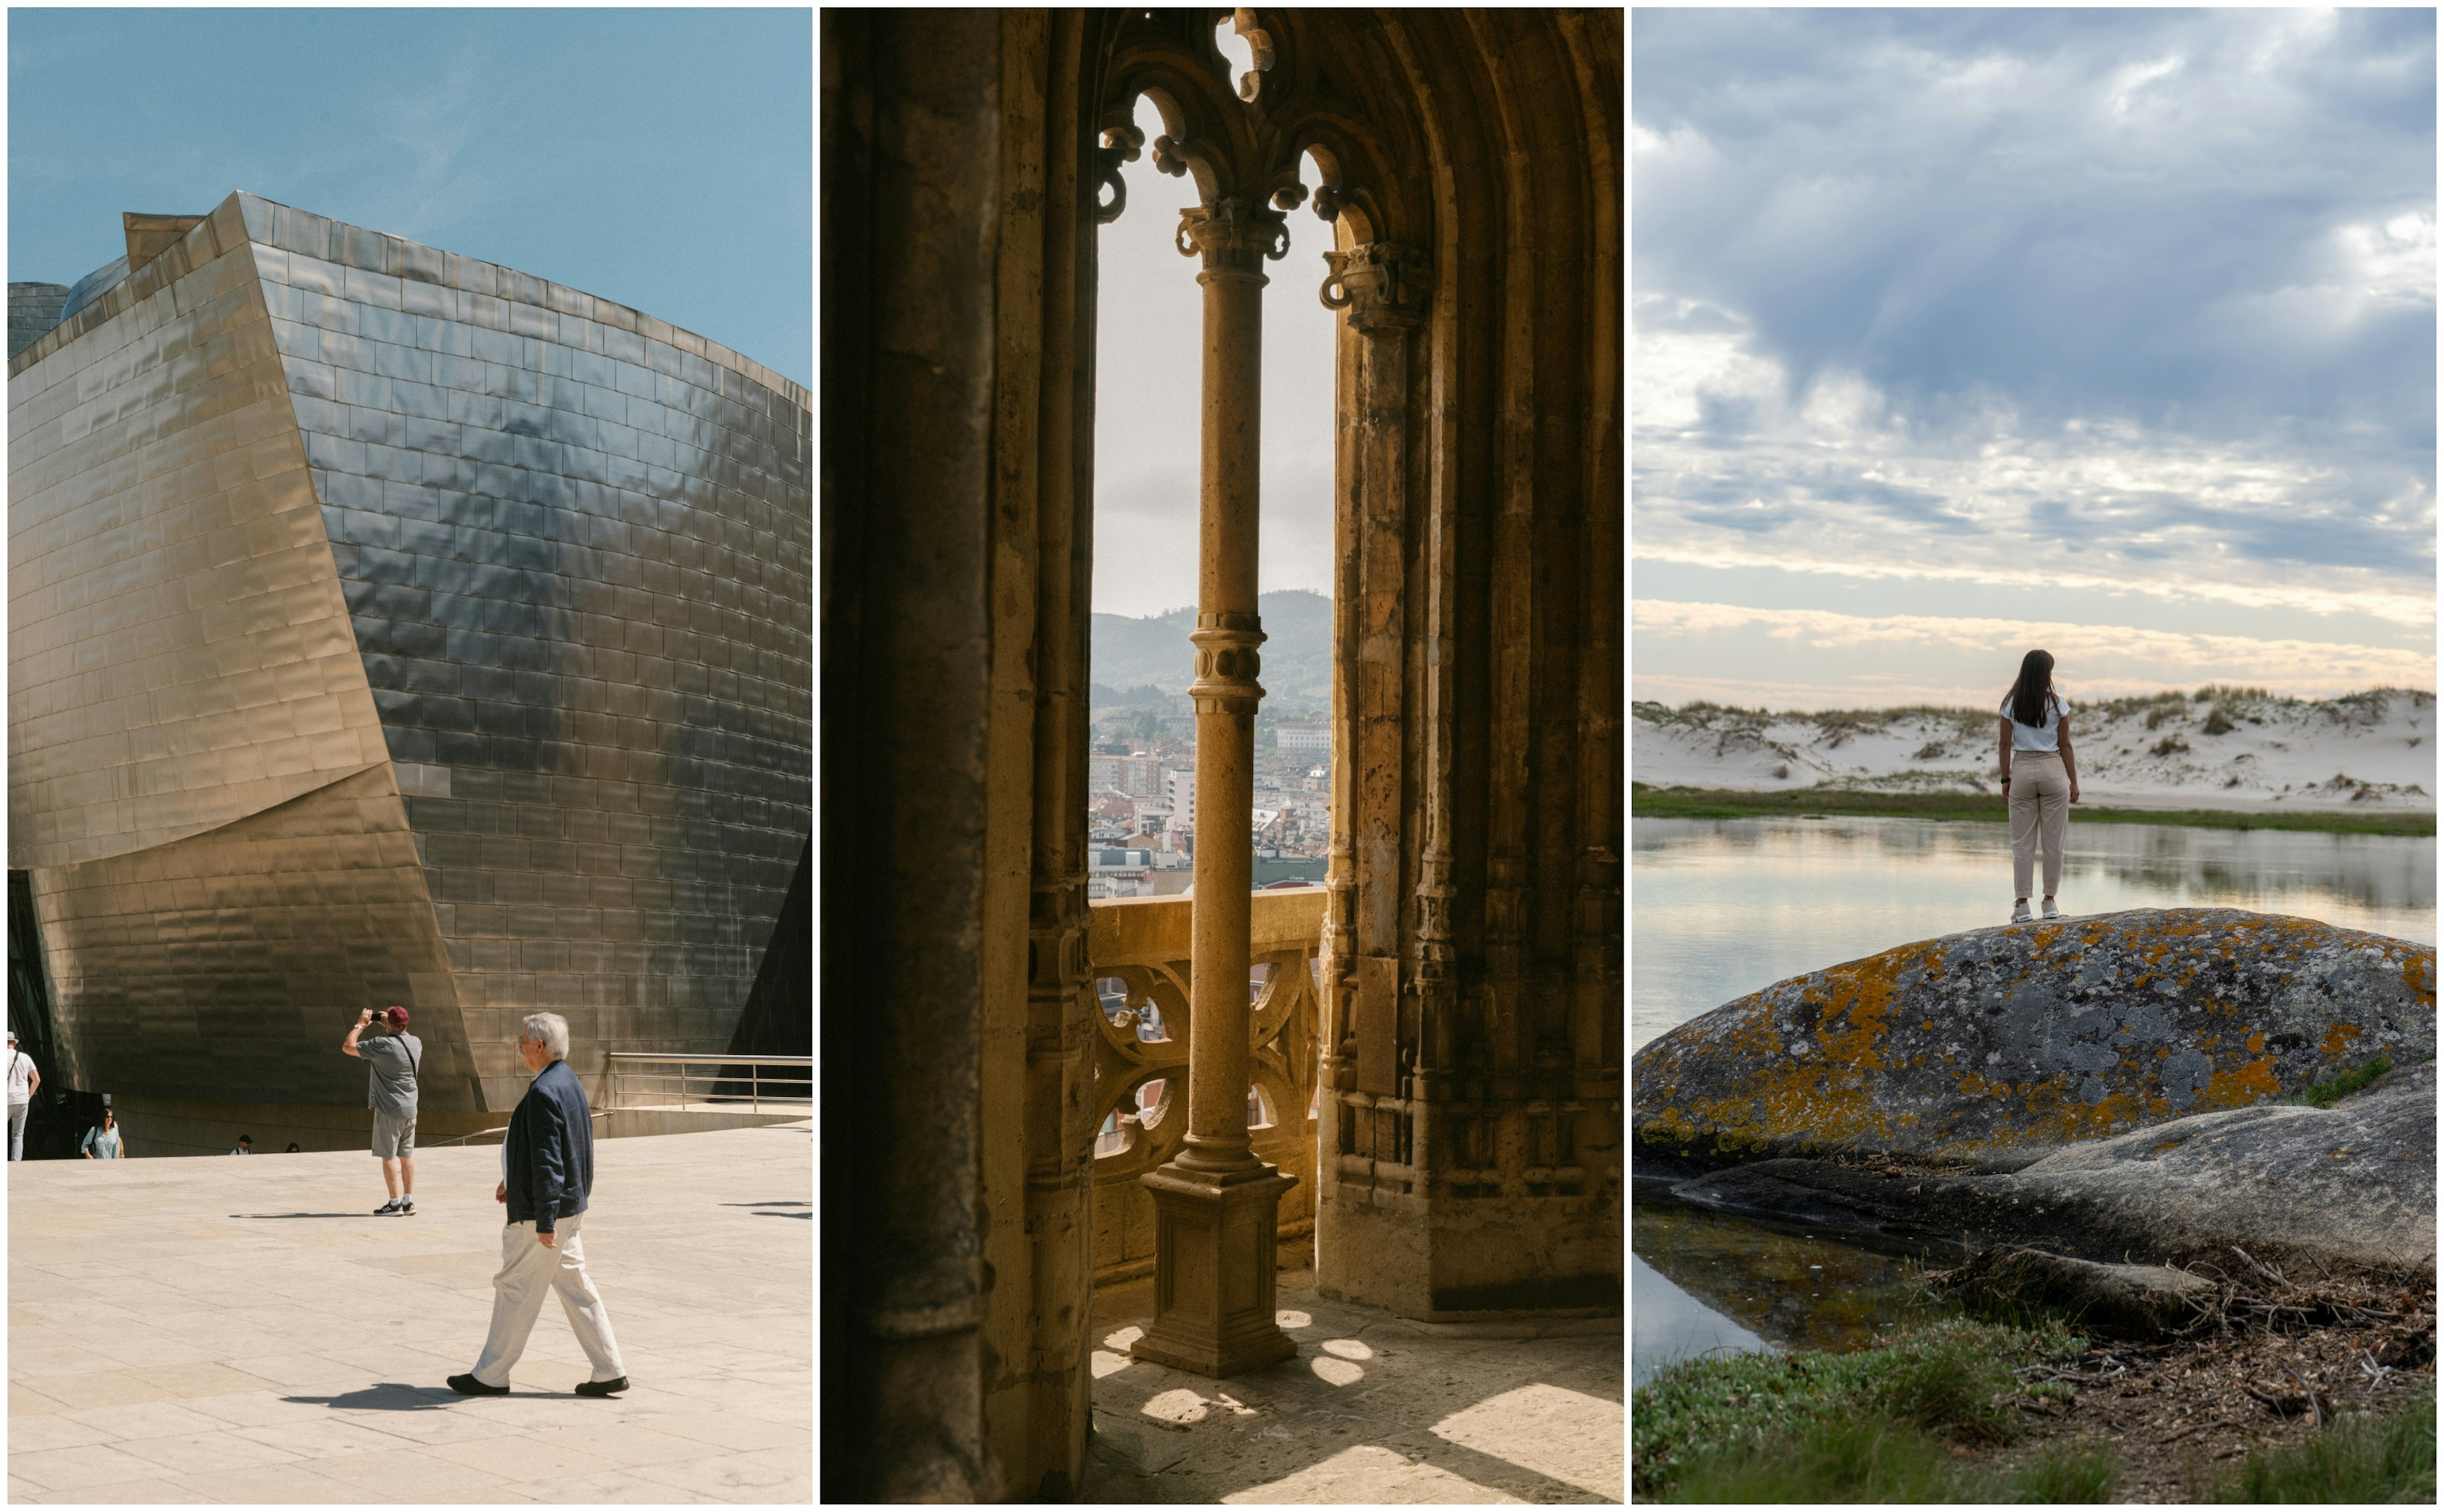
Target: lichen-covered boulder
<point x="2347" y="1187"/>
<point x="2000" y="1044"/>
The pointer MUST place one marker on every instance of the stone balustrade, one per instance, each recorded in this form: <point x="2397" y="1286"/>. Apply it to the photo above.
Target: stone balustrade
<point x="1141" y="1086"/>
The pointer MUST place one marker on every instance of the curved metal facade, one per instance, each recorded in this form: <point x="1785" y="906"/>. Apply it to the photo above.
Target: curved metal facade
<point x="391" y="626"/>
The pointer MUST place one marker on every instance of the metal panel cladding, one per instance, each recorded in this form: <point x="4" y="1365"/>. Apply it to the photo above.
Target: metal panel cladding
<point x="574" y="549"/>
<point x="199" y="780"/>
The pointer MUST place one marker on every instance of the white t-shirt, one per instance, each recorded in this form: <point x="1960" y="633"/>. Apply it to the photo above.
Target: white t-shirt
<point x="2045" y="737"/>
<point x="21" y="1078"/>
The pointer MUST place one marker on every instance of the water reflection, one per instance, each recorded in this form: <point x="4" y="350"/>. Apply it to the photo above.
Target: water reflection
<point x="1705" y="1280"/>
<point x="1721" y="908"/>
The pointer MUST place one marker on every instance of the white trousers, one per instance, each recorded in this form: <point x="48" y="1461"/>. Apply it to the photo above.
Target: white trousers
<point x="528" y="1270"/>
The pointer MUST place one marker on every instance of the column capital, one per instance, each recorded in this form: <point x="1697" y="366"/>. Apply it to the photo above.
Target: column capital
<point x="1227" y="663"/>
<point x="1234" y="236"/>
<point x="1381" y="284"/>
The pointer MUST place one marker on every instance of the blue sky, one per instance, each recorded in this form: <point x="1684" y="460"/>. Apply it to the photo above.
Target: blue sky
<point x="661" y="158"/>
<point x="1960" y="331"/>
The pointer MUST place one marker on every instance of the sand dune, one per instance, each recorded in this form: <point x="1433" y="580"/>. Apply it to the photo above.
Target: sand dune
<point x="2234" y="750"/>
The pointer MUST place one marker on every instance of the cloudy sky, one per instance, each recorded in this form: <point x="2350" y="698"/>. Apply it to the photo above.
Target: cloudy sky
<point x="1149" y="341"/>
<point x="662" y="159"/>
<point x="1956" y="332"/>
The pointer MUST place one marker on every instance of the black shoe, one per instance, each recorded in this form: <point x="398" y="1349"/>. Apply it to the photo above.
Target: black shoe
<point x="407" y="1208"/>
<point x="388" y="1209"/>
<point x="469" y="1386"/>
<point x="617" y="1383"/>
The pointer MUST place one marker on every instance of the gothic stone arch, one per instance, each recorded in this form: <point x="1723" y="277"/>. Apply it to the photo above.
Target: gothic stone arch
<point x="1473" y="1011"/>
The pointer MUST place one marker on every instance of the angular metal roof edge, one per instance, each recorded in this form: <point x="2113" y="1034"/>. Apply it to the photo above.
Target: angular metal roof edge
<point x="143" y="282"/>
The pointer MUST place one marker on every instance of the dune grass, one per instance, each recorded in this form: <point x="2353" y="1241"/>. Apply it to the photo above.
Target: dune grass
<point x="2359" y="1457"/>
<point x="1647" y="801"/>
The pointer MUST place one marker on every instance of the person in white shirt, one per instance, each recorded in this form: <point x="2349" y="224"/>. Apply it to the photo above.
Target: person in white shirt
<point x="245" y="1145"/>
<point x="24" y="1081"/>
<point x="103" y="1143"/>
<point x="2042" y="776"/>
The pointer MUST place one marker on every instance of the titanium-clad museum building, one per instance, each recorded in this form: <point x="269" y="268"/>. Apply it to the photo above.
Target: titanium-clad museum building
<point x="387" y="626"/>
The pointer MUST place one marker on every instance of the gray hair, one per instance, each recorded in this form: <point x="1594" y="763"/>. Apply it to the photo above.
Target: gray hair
<point x="549" y="1030"/>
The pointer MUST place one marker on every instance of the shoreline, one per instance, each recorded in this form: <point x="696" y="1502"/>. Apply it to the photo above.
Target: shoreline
<point x="1650" y="802"/>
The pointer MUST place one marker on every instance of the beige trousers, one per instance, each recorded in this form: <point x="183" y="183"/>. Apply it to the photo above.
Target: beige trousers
<point x="528" y="1270"/>
<point x="2040" y="798"/>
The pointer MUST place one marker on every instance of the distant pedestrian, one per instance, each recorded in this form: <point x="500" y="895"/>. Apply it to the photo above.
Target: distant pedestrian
<point x="292" y="1149"/>
<point x="24" y="1081"/>
<point x="103" y="1143"/>
<point x="245" y="1145"/>
<point x="392" y="1057"/>
<point x="546" y="1173"/>
<point x="2041" y="775"/>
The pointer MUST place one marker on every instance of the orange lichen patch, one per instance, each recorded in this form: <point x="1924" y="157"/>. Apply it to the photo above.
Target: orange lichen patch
<point x="2418" y="975"/>
<point x="1864" y="989"/>
<point x="2338" y="1038"/>
<point x="1928" y="1025"/>
<point x="2257" y="1042"/>
<point x="2238" y="1089"/>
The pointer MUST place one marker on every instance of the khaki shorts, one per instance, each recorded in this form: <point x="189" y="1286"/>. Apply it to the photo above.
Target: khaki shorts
<point x="393" y="1136"/>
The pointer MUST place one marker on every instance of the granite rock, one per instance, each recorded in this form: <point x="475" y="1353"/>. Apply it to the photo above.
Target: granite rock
<point x="2000" y="1047"/>
<point x="2351" y="1187"/>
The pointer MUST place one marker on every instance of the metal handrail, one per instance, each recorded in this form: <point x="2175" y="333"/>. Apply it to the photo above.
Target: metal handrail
<point x="620" y="1065"/>
<point x="461" y="1140"/>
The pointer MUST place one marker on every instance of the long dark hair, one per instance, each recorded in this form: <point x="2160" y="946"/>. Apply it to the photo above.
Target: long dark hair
<point x="2035" y="685"/>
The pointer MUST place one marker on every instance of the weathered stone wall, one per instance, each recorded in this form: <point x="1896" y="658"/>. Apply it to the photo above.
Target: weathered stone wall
<point x="910" y="103"/>
<point x="2029" y="1037"/>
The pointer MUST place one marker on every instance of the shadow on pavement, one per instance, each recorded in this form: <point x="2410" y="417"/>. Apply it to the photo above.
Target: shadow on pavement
<point x="390" y="1397"/>
<point x="300" y="1215"/>
<point x="789" y="1203"/>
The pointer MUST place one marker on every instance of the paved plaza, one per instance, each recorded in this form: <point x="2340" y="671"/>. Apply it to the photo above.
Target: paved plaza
<point x="1374" y="1410"/>
<point x="245" y="1330"/>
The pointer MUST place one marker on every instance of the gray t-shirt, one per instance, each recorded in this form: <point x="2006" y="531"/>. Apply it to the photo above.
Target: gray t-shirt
<point x="391" y="1061"/>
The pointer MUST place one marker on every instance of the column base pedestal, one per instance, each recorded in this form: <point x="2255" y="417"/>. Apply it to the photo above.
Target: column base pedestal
<point x="1214" y="1262"/>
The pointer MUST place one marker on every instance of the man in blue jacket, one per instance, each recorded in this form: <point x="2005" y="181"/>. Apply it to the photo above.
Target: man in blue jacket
<point x="547" y="1170"/>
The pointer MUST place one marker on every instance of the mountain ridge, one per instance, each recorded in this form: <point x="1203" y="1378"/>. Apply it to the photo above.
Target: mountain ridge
<point x="1154" y="651"/>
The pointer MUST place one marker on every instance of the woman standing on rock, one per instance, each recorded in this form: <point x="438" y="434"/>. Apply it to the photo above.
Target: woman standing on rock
<point x="2040" y="774"/>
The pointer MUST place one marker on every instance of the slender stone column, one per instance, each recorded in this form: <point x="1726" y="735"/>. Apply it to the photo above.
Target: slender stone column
<point x="1215" y="1204"/>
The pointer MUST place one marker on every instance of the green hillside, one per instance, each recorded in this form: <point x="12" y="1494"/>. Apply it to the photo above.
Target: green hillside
<point x="1131" y="653"/>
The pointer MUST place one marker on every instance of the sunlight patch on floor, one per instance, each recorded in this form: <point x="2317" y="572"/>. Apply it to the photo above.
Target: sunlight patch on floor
<point x="1369" y="1472"/>
<point x="1568" y="1435"/>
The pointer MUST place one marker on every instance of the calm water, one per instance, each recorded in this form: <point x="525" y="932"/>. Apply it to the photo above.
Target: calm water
<point x="1719" y="907"/>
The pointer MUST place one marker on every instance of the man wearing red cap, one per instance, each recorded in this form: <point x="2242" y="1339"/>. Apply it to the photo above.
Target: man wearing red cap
<point x="391" y="1061"/>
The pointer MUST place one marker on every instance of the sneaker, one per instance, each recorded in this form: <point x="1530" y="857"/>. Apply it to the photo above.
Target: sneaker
<point x="2019" y="913"/>
<point x="387" y="1209"/>
<point x="407" y="1207"/>
<point x="2051" y="912"/>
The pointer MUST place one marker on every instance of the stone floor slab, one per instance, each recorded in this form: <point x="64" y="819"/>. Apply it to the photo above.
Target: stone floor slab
<point x="121" y="1493"/>
<point x="1372" y="1409"/>
<point x="210" y="1314"/>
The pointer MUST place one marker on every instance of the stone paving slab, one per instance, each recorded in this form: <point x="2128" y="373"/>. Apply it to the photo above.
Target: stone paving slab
<point x="244" y="1330"/>
<point x="1374" y="1410"/>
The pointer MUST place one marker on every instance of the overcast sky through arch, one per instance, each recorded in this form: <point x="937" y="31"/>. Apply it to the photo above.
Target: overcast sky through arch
<point x="1956" y="332"/>
<point x="1148" y="369"/>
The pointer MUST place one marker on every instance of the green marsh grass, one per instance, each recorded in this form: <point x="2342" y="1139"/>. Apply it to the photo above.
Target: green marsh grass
<point x="2359" y="1457"/>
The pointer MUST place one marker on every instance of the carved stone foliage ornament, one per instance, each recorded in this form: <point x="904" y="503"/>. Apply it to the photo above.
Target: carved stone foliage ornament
<point x="1247" y="134"/>
<point x="1377" y="283"/>
<point x="1121" y="144"/>
<point x="1233" y="236"/>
